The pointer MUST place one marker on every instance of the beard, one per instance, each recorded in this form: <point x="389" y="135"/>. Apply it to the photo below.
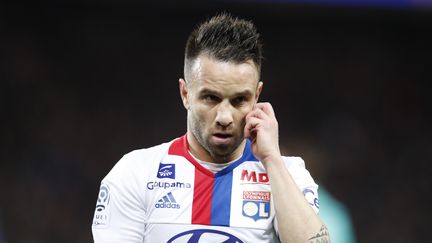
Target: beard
<point x="218" y="152"/>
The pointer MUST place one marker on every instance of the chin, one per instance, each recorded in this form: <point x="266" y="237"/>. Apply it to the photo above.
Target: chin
<point x="223" y="150"/>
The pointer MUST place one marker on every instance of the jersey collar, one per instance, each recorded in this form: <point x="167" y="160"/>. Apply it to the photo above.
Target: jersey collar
<point x="180" y="147"/>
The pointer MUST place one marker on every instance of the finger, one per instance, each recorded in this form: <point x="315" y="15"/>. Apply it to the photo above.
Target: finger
<point x="266" y="107"/>
<point x="251" y="124"/>
<point x="259" y="113"/>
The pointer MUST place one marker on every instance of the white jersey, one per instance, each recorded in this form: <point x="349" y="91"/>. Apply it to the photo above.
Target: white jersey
<point x="162" y="194"/>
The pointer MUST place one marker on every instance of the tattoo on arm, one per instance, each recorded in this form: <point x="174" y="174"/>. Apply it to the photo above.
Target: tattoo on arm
<point x="321" y="237"/>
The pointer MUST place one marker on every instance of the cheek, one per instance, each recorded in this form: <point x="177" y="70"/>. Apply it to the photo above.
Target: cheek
<point x="202" y="116"/>
<point x="241" y="117"/>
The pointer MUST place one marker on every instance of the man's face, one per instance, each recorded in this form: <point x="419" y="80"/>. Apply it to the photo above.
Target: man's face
<point x="218" y="97"/>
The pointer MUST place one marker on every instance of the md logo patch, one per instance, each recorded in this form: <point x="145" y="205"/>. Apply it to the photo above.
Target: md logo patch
<point x="204" y="236"/>
<point x="256" y="204"/>
<point x="166" y="171"/>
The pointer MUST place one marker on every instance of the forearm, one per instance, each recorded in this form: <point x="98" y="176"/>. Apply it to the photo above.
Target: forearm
<point x="297" y="221"/>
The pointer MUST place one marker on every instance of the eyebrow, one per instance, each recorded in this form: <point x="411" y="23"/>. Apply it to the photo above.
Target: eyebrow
<point x="210" y="91"/>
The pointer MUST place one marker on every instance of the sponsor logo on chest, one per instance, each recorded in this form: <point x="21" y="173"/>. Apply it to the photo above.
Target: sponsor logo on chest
<point x="167" y="171"/>
<point x="253" y="177"/>
<point x="203" y="236"/>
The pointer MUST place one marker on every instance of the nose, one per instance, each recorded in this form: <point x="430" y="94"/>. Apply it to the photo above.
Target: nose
<point x="224" y="116"/>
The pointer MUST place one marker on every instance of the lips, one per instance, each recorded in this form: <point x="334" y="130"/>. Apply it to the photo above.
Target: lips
<point x="222" y="135"/>
<point x="222" y="138"/>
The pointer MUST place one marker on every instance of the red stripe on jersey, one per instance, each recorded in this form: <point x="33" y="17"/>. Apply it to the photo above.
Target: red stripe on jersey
<point x="177" y="147"/>
<point x="180" y="147"/>
<point x="203" y="186"/>
<point x="202" y="198"/>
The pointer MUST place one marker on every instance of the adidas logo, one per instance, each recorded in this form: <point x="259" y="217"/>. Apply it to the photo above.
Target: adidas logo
<point x="167" y="201"/>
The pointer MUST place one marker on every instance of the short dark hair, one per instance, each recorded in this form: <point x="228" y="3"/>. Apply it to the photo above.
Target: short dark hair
<point x="225" y="38"/>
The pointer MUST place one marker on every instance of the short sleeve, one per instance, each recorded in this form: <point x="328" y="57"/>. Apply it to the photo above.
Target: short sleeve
<point x="119" y="215"/>
<point x="304" y="181"/>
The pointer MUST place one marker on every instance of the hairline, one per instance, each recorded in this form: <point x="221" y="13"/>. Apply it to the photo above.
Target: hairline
<point x="189" y="61"/>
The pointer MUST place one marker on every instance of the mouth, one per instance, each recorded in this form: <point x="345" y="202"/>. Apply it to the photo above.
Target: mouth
<point x="222" y="138"/>
<point x="222" y="135"/>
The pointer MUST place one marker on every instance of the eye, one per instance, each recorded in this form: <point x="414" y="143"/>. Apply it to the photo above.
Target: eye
<point x="239" y="100"/>
<point x="210" y="98"/>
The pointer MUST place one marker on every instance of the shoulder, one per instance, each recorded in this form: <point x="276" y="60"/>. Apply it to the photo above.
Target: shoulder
<point x="293" y="162"/>
<point x="296" y="167"/>
<point x="146" y="155"/>
<point x="138" y="162"/>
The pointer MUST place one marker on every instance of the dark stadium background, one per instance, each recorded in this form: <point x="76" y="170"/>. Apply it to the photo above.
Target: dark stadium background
<point x="83" y="83"/>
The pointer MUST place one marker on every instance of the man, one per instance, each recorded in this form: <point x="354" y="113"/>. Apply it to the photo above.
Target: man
<point x="225" y="180"/>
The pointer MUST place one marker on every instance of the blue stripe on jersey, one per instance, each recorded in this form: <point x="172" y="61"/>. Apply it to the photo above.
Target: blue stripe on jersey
<point x="222" y="186"/>
<point x="247" y="153"/>
<point x="221" y="200"/>
<point x="247" y="156"/>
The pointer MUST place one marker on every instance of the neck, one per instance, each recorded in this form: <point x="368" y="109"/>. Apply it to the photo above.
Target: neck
<point x="199" y="152"/>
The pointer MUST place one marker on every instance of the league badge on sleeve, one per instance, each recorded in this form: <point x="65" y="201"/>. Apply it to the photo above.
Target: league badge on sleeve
<point x="102" y="212"/>
<point x="256" y="204"/>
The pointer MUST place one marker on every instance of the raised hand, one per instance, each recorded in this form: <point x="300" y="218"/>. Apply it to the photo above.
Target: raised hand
<point x="262" y="129"/>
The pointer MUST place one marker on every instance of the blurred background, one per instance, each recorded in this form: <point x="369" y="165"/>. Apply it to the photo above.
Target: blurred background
<point x="84" y="82"/>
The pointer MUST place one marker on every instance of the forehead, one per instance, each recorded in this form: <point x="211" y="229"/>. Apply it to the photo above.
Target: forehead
<point x="225" y="77"/>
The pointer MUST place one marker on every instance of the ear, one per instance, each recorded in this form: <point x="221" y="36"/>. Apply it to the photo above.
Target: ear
<point x="184" y="93"/>
<point x="258" y="91"/>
